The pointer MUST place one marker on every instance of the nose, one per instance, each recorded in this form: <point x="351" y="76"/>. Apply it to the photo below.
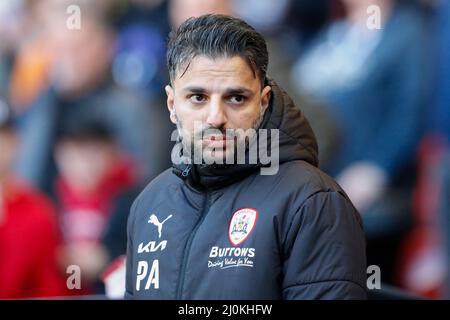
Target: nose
<point x="217" y="117"/>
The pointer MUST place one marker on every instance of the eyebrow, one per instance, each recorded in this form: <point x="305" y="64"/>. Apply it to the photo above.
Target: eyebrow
<point x="229" y="91"/>
<point x="194" y="89"/>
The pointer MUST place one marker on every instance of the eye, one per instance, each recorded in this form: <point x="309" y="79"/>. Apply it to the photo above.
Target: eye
<point x="237" y="99"/>
<point x="197" y="98"/>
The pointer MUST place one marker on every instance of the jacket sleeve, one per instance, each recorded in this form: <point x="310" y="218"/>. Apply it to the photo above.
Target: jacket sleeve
<point x="324" y="250"/>
<point x="129" y="281"/>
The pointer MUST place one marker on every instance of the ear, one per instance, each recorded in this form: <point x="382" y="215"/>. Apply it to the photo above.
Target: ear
<point x="171" y="103"/>
<point x="265" y="97"/>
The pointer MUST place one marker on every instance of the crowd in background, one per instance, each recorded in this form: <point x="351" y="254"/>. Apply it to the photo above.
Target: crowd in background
<point x="84" y="126"/>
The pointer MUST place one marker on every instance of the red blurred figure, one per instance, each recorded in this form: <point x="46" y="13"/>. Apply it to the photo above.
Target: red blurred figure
<point x="422" y="266"/>
<point x="28" y="231"/>
<point x="92" y="175"/>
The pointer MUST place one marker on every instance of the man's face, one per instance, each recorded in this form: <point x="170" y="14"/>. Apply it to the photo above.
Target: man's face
<point x="84" y="164"/>
<point x="221" y="93"/>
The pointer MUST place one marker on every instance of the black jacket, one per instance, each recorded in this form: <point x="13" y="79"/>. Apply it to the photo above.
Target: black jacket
<point x="228" y="232"/>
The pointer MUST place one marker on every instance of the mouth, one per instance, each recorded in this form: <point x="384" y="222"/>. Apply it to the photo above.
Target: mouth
<point x="216" y="141"/>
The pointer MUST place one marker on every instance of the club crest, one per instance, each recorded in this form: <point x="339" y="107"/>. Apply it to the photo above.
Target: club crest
<point x="241" y="225"/>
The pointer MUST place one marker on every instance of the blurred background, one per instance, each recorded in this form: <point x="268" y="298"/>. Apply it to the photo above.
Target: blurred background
<point x="84" y="126"/>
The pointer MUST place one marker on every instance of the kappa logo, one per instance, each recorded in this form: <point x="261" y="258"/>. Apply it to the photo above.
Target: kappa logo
<point x="241" y="225"/>
<point x="154" y="220"/>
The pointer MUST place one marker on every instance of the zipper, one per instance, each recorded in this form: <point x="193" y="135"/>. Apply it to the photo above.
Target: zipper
<point x="186" y="171"/>
<point x="187" y="249"/>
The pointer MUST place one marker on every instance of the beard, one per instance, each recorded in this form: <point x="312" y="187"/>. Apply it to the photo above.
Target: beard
<point x="233" y="149"/>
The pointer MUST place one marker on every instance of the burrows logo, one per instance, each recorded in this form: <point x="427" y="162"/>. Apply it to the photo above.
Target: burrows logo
<point x="241" y="225"/>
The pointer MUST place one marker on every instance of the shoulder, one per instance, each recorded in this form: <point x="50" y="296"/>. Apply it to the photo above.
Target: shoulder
<point x="35" y="210"/>
<point x="307" y="190"/>
<point x="323" y="198"/>
<point x="304" y="180"/>
<point x="156" y="191"/>
<point x="160" y="184"/>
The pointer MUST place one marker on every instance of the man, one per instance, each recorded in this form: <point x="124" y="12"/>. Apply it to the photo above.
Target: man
<point x="93" y="175"/>
<point x="249" y="229"/>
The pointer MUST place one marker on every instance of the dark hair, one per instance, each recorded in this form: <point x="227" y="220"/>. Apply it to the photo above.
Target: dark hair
<point x="83" y="132"/>
<point x="216" y="35"/>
